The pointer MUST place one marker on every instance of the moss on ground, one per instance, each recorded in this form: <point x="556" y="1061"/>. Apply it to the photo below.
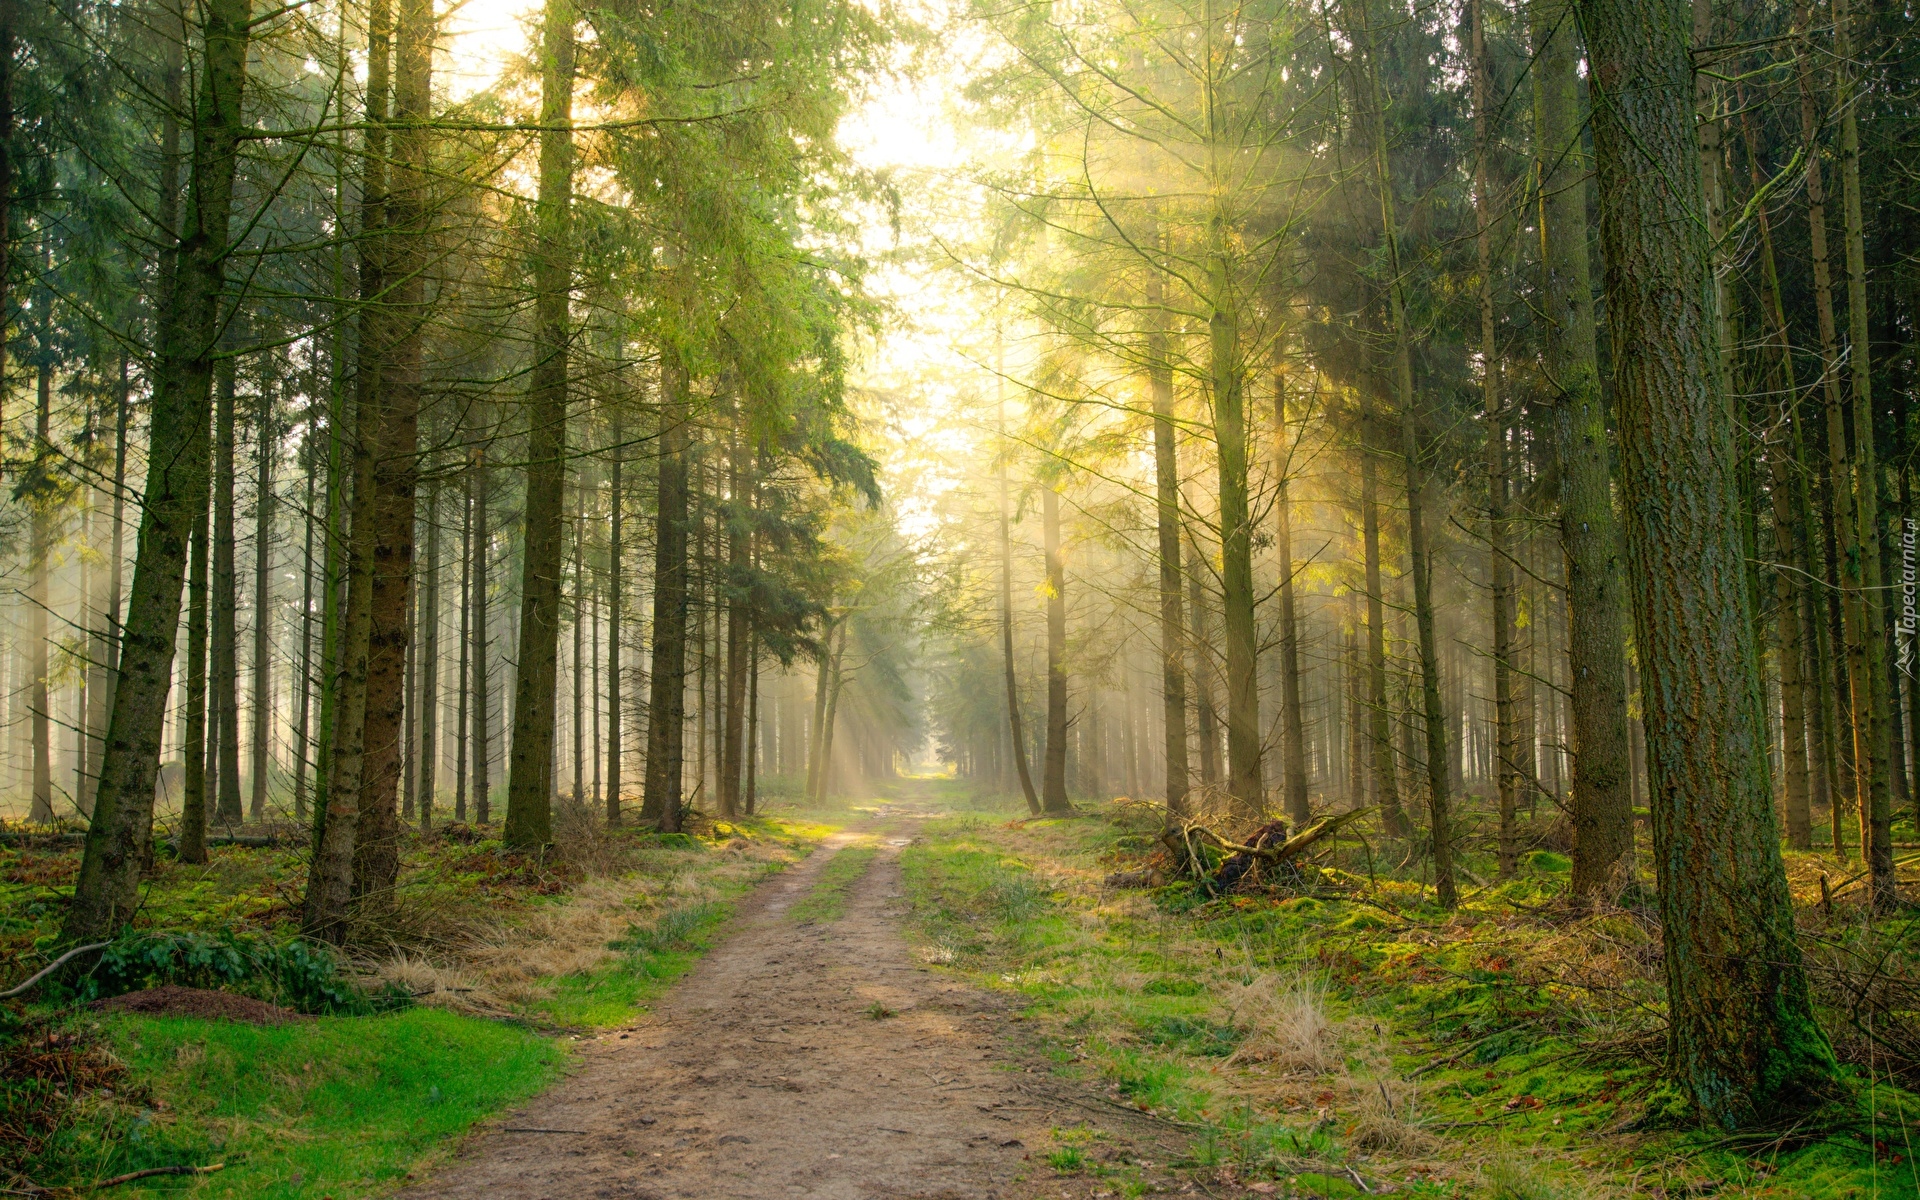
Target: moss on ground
<point x="1490" y="1052"/>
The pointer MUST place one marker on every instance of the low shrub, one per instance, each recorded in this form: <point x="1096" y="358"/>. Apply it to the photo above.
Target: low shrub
<point x="296" y="974"/>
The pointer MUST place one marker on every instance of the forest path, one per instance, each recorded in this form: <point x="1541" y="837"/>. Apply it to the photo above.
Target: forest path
<point x="766" y="1072"/>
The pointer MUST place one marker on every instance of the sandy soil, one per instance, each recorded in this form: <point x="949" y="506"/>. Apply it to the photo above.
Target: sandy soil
<point x="765" y="1073"/>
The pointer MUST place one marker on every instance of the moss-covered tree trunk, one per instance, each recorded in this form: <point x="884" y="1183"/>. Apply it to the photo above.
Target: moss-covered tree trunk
<point x="1602" y="807"/>
<point x="1741" y="1033"/>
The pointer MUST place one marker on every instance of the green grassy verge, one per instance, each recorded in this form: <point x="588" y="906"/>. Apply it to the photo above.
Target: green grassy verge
<point x="338" y="1107"/>
<point x="1300" y="1039"/>
<point x="828" y="898"/>
<point x="354" y="1106"/>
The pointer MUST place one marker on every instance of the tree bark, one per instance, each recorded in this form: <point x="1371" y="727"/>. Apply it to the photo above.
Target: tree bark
<point x="1006" y="626"/>
<point x="667" y="699"/>
<point x="40" y="502"/>
<point x="1876" y="825"/>
<point x="480" y="640"/>
<point x="615" y="588"/>
<point x="1053" y="775"/>
<point x="738" y="595"/>
<point x="1741" y="1032"/>
<point x="107" y="889"/>
<point x="1602" y="809"/>
<point x="1790" y="522"/>
<point x="1499" y="569"/>
<point x="1386" y="775"/>
<point x="263" y="517"/>
<point x="395" y="470"/>
<point x="1173" y="632"/>
<point x="225" y="679"/>
<point x="1293" y="745"/>
<point x="429" y="767"/>
<point x="191" y="842"/>
<point x="530" y="776"/>
<point x="331" y="877"/>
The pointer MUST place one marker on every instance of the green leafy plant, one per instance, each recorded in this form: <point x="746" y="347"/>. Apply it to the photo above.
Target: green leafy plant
<point x="296" y="974"/>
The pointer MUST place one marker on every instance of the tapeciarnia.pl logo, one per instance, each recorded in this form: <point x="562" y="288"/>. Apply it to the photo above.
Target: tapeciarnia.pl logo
<point x="1909" y="618"/>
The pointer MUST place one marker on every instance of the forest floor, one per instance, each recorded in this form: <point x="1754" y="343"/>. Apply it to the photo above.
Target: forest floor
<point x="915" y="996"/>
<point x="812" y="1054"/>
<point x="1343" y="1036"/>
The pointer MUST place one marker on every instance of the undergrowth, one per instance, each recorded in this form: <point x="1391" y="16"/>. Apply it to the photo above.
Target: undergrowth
<point x="499" y="954"/>
<point x="1352" y="1032"/>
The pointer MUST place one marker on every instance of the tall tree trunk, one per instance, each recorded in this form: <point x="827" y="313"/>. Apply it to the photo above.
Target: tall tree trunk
<point x="429" y="785"/>
<point x="1440" y="828"/>
<point x="480" y="641"/>
<point x="667" y="699"/>
<point x="1790" y="522"/>
<point x="303" y="685"/>
<point x="578" y="722"/>
<point x="1293" y="746"/>
<point x="738" y="594"/>
<point x="331" y="876"/>
<point x="823" y="682"/>
<point x="39" y="596"/>
<point x="1499" y="569"/>
<point x="1602" y="810"/>
<point x="263" y="515"/>
<point x="1876" y="825"/>
<point x="529" y="778"/>
<point x="1386" y="774"/>
<point x="191" y="841"/>
<point x="1227" y="380"/>
<point x="1006" y="620"/>
<point x="107" y="889"/>
<point x="462" y="684"/>
<point x="226" y="633"/>
<point x="406" y="256"/>
<point x="615" y="589"/>
<point x="1205" y="721"/>
<point x="1053" y="775"/>
<point x="1741" y="1032"/>
<point x="1173" y="632"/>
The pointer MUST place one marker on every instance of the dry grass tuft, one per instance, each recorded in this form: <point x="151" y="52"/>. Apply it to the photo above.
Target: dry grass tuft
<point x="1285" y="1020"/>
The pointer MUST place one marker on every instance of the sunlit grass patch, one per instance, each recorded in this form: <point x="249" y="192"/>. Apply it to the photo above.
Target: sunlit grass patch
<point x="827" y="900"/>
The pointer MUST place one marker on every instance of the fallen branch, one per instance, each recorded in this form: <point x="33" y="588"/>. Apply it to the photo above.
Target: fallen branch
<point x="150" y="1172"/>
<point x="50" y="968"/>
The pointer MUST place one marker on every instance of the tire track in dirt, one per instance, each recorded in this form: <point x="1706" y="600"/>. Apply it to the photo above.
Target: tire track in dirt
<point x="766" y="1073"/>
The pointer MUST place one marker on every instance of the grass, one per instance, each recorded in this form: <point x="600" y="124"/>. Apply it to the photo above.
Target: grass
<point x="1360" y="1030"/>
<point x="510" y="953"/>
<point x="827" y="899"/>
<point x="336" y="1106"/>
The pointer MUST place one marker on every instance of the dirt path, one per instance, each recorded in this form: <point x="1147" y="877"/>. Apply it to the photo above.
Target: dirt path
<point x="765" y="1073"/>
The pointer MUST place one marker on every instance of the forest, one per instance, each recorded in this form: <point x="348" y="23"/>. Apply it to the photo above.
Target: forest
<point x="1245" y="597"/>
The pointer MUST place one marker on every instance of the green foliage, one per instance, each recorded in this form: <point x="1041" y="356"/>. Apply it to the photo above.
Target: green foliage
<point x="296" y="974"/>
